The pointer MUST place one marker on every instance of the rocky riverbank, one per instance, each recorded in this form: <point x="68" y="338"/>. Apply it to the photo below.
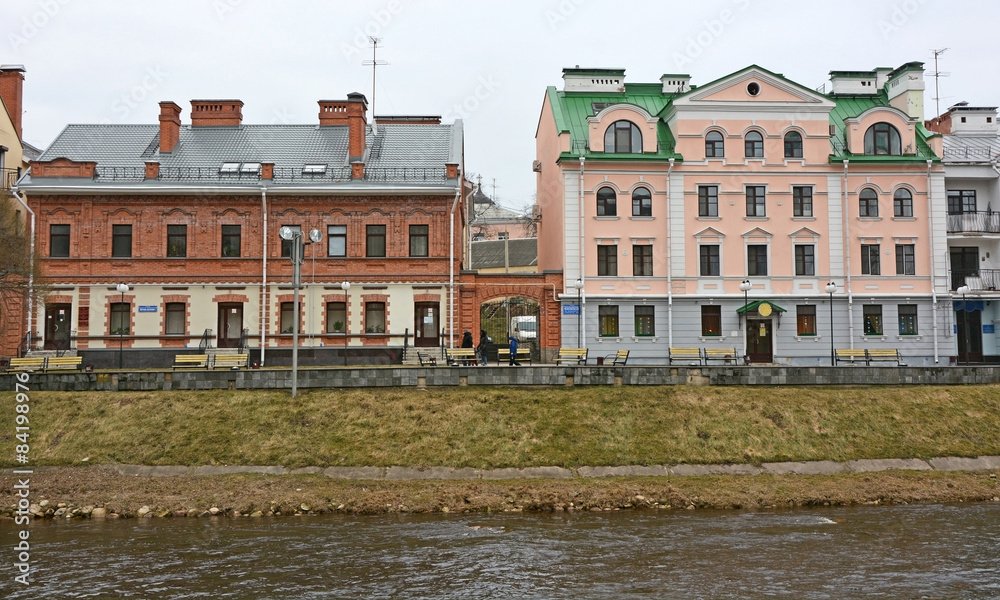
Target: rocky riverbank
<point x="105" y="493"/>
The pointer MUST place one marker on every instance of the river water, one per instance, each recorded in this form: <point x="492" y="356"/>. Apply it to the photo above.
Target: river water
<point x="922" y="551"/>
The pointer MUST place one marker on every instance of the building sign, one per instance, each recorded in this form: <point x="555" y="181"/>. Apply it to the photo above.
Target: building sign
<point x="151" y="308"/>
<point x="571" y="309"/>
<point x="990" y="328"/>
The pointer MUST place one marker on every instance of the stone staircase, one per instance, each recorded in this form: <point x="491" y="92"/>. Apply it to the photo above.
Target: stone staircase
<point x="410" y="357"/>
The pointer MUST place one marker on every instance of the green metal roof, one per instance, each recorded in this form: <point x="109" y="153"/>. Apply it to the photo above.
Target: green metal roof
<point x="849" y="107"/>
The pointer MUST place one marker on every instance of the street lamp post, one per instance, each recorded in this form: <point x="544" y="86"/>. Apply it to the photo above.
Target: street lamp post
<point x="579" y="313"/>
<point x="965" y="320"/>
<point x="122" y="287"/>
<point x="346" y="286"/>
<point x="830" y="289"/>
<point x="745" y="287"/>
<point x="298" y="249"/>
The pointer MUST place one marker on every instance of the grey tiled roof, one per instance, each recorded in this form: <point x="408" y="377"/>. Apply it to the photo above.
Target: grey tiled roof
<point x="971" y="148"/>
<point x="411" y="154"/>
<point x="522" y="252"/>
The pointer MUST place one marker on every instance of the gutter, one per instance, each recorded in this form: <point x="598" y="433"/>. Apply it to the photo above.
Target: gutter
<point x="583" y="278"/>
<point x="847" y="256"/>
<point x="930" y="227"/>
<point x="264" y="296"/>
<point x="670" y="286"/>
<point x="451" y="263"/>
<point x="31" y="269"/>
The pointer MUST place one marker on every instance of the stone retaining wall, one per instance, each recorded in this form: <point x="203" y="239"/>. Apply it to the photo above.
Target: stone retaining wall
<point x="420" y="377"/>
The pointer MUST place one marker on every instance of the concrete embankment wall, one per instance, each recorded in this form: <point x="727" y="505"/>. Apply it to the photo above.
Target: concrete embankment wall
<point x="420" y="377"/>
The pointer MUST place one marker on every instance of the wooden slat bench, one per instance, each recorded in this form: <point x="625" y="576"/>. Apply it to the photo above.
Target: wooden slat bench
<point x="523" y="354"/>
<point x="686" y="354"/>
<point x="191" y="361"/>
<point x="851" y="355"/>
<point x="727" y="355"/>
<point x="572" y="355"/>
<point x="63" y="362"/>
<point x="427" y="360"/>
<point x="28" y="363"/>
<point x="885" y="355"/>
<point x="618" y="358"/>
<point x="461" y="356"/>
<point x="228" y="361"/>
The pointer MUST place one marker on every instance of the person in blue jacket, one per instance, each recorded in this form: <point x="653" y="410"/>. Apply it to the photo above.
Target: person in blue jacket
<point x="513" y="351"/>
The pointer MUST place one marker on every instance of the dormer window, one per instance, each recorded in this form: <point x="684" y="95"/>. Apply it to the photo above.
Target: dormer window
<point x="623" y="137"/>
<point x="229" y="168"/>
<point x="882" y="139"/>
<point x="314" y="169"/>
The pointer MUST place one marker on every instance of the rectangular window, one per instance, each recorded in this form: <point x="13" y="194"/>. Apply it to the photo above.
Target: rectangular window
<point x="711" y="320"/>
<point x="59" y="241"/>
<point x="375" y="317"/>
<point x="419" y="237"/>
<point x="755" y="201"/>
<point x="503" y="235"/>
<point x="907" y="319"/>
<point x="120" y="318"/>
<point x="961" y="202"/>
<point x="607" y="261"/>
<point x="805" y="260"/>
<point x="642" y="260"/>
<point x="336" y="317"/>
<point x="802" y="201"/>
<point x="756" y="259"/>
<point x="608" y="316"/>
<point x="174" y="318"/>
<point x="177" y="241"/>
<point x="375" y="240"/>
<point x="709" y="260"/>
<point x="121" y="241"/>
<point x="286" y="245"/>
<point x="336" y="240"/>
<point x="708" y="200"/>
<point x="873" y="319"/>
<point x="805" y="319"/>
<point x="870" y="264"/>
<point x="232" y="241"/>
<point x="645" y="321"/>
<point x="288" y="317"/>
<point x="906" y="263"/>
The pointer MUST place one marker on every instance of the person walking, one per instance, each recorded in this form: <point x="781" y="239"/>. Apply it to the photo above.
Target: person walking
<point x="467" y="343"/>
<point x="483" y="347"/>
<point x="513" y="351"/>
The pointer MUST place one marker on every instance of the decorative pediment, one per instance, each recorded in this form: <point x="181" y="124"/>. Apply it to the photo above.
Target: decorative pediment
<point x="757" y="233"/>
<point x="803" y="232"/>
<point x="709" y="232"/>
<point x="62" y="167"/>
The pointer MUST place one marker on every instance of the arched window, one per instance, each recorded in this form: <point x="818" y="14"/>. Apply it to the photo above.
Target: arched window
<point x="623" y="137"/>
<point x="793" y="144"/>
<point x="607" y="202"/>
<point x="642" y="203"/>
<point x="715" y="146"/>
<point x="754" y="144"/>
<point x="902" y="203"/>
<point x="868" y="203"/>
<point x="882" y="139"/>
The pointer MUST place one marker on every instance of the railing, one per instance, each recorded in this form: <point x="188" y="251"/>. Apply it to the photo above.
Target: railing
<point x="9" y="178"/>
<point x="580" y="147"/>
<point x="206" y="340"/>
<point x="244" y="344"/>
<point x="971" y="153"/>
<point x="974" y="222"/>
<point x="281" y="174"/>
<point x="977" y="279"/>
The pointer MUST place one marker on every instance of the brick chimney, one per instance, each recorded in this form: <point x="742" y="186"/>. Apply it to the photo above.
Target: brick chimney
<point x="11" y="86"/>
<point x="352" y="113"/>
<point x="170" y="125"/>
<point x="216" y="113"/>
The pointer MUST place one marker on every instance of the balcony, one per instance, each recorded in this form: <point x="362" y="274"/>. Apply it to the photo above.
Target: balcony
<point x="974" y="222"/>
<point x="978" y="280"/>
<point x="9" y="178"/>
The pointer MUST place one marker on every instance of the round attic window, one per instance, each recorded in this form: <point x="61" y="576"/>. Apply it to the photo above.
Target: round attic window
<point x="753" y="88"/>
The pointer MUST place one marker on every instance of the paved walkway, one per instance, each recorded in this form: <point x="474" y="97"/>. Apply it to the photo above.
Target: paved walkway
<point x="822" y="467"/>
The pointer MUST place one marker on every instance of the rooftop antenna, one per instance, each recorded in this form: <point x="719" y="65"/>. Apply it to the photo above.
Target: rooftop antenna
<point x="494" y="190"/>
<point x="938" y="74"/>
<point x="374" y="63"/>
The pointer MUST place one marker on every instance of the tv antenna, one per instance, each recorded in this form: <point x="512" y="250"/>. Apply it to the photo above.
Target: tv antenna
<point x="374" y="63"/>
<point x="937" y="75"/>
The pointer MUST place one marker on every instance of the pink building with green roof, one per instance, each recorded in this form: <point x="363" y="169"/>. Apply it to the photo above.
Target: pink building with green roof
<point x="718" y="215"/>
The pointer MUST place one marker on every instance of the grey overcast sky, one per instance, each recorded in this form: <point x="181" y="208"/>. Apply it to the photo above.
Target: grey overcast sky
<point x="94" y="61"/>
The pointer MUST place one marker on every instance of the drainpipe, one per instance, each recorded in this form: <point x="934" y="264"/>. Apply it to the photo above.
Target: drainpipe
<point x="451" y="264"/>
<point x="263" y="283"/>
<point x="847" y="256"/>
<point x="583" y="277"/>
<point x="670" y="287"/>
<point x="31" y="269"/>
<point x="930" y="226"/>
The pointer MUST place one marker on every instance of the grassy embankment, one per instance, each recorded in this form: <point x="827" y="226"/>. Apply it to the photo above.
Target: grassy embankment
<point x="505" y="427"/>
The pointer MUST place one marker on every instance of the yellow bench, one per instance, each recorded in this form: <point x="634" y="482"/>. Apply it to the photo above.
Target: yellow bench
<point x="728" y="355"/>
<point x="63" y="362"/>
<point x="885" y="355"/>
<point x="572" y="355"/>
<point x="687" y="354"/>
<point x="503" y="355"/>
<point x="851" y="355"/>
<point x="228" y="361"/>
<point x="461" y="355"/>
<point x="619" y="358"/>
<point x="191" y="361"/>
<point x="28" y="363"/>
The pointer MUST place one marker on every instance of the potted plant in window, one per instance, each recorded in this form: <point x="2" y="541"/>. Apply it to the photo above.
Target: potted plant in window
<point x="338" y="326"/>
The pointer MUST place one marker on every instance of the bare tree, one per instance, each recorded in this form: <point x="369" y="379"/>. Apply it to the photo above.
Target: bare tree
<point x="16" y="263"/>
